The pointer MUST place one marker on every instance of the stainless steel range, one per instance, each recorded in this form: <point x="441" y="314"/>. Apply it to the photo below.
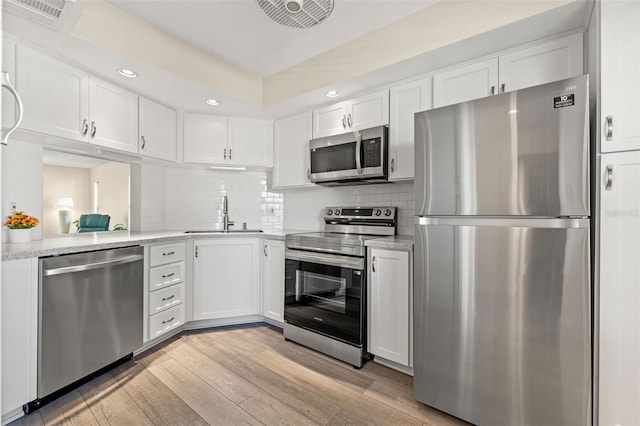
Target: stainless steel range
<point x="326" y="281"/>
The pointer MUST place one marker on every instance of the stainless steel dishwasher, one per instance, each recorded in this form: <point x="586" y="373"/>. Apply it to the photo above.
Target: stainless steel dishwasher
<point x="90" y="315"/>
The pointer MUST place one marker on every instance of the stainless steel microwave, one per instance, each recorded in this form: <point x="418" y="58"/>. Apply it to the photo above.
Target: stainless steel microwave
<point x="350" y="159"/>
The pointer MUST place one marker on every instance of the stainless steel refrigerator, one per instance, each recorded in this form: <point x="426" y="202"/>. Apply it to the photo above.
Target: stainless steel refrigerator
<point x="502" y="302"/>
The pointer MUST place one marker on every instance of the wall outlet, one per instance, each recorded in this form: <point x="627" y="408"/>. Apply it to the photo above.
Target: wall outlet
<point x="271" y="211"/>
<point x="13" y="206"/>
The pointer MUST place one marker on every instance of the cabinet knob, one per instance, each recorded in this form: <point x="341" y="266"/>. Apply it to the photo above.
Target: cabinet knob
<point x="85" y="127"/>
<point x="393" y="165"/>
<point x="503" y="87"/>
<point x="94" y="129"/>
<point x="229" y="153"/>
<point x="266" y="252"/>
<point x="225" y="154"/>
<point x="144" y="142"/>
<point x="344" y="122"/>
<point x="349" y="122"/>
<point x="492" y="90"/>
<point x="609" y="182"/>
<point x="373" y="264"/>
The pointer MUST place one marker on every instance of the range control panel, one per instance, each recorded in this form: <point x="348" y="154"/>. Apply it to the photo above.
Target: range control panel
<point x="360" y="214"/>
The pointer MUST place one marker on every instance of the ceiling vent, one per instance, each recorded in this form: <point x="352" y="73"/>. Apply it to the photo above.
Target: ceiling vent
<point x="297" y="13"/>
<point x="52" y="13"/>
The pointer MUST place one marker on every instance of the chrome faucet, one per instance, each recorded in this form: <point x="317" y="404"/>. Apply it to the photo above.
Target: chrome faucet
<point x="226" y="223"/>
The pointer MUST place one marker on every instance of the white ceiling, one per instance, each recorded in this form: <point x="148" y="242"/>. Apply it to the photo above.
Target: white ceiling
<point x="238" y="30"/>
<point x="235" y="33"/>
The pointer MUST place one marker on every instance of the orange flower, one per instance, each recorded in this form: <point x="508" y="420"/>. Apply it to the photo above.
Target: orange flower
<point x="20" y="220"/>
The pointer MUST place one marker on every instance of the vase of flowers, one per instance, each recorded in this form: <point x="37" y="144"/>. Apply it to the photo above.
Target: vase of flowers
<point x="20" y="225"/>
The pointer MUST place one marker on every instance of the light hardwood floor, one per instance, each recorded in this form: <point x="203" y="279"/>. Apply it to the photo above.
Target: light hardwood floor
<point x="240" y="376"/>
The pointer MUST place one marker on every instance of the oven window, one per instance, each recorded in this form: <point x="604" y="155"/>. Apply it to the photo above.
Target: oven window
<point x="325" y="299"/>
<point x="324" y="291"/>
<point x="334" y="158"/>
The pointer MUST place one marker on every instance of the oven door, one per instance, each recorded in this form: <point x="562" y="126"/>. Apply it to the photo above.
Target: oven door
<point x="325" y="293"/>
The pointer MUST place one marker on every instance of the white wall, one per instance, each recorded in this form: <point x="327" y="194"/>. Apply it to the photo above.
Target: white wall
<point x="59" y="182"/>
<point x="22" y="182"/>
<point x="113" y="191"/>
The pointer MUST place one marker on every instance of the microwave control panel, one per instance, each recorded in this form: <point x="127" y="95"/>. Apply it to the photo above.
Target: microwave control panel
<point x="372" y="152"/>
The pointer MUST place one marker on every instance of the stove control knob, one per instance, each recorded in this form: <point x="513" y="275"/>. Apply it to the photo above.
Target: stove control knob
<point x="337" y="212"/>
<point x="387" y="212"/>
<point x="329" y="212"/>
<point x="378" y="212"/>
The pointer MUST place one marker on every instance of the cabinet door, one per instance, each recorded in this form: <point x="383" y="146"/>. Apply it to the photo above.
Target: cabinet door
<point x="55" y="95"/>
<point x="250" y="142"/>
<point x="619" y="75"/>
<point x="291" y="151"/>
<point x="405" y="101"/>
<point x="330" y="120"/>
<point x="619" y="289"/>
<point x="157" y="130"/>
<point x="273" y="280"/>
<point x="542" y="63"/>
<point x="114" y="116"/>
<point x="205" y="139"/>
<point x="19" y="332"/>
<point x="226" y="278"/>
<point x="465" y="83"/>
<point x="389" y="305"/>
<point x="369" y="111"/>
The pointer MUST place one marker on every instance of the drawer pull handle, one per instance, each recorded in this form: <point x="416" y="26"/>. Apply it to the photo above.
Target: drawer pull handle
<point x="169" y="320"/>
<point x="168" y="298"/>
<point x="171" y="253"/>
<point x="169" y="275"/>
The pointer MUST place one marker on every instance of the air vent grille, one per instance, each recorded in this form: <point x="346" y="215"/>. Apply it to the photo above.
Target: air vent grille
<point x="313" y="12"/>
<point x="47" y="8"/>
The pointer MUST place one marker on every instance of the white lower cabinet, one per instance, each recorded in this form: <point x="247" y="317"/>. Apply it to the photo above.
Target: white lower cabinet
<point x="226" y="278"/>
<point x="619" y="290"/>
<point x="389" y="303"/>
<point x="19" y="335"/>
<point x="273" y="280"/>
<point x="166" y="297"/>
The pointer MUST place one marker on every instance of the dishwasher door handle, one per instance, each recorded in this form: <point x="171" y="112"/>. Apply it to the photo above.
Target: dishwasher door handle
<point x="95" y="265"/>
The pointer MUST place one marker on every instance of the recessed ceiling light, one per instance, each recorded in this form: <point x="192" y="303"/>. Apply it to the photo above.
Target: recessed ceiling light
<point x="127" y="73"/>
<point x="331" y="94"/>
<point x="213" y="102"/>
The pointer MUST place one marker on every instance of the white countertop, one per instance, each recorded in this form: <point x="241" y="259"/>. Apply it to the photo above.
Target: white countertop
<point x="76" y="243"/>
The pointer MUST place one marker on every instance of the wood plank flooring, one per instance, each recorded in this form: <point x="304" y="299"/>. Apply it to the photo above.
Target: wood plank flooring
<point x="240" y="376"/>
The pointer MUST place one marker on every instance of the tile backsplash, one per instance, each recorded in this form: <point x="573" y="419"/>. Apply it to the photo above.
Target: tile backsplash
<point x="303" y="207"/>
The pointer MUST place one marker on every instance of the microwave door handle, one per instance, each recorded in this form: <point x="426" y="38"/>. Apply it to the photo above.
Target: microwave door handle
<point x="358" y="152"/>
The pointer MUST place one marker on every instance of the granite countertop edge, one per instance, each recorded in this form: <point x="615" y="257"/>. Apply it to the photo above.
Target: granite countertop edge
<point x="78" y="243"/>
<point x="396" y="242"/>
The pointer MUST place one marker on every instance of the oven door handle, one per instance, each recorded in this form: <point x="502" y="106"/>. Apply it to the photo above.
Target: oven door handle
<point x="326" y="259"/>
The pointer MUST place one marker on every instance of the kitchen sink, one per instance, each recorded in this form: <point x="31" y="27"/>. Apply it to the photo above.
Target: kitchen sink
<point x="222" y="231"/>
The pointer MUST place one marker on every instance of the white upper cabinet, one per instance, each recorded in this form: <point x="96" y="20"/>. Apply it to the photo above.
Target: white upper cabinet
<point x="619" y="290"/>
<point x="114" y="116"/>
<point x="205" y="139"/>
<point x="405" y="101"/>
<point x="291" y="151"/>
<point x="619" y="75"/>
<point x="157" y="128"/>
<point x="542" y="63"/>
<point x="538" y="64"/>
<point x="465" y="83"/>
<point x="360" y="113"/>
<point x="250" y="142"/>
<point x="60" y="100"/>
<point x="228" y="141"/>
<point x="55" y="95"/>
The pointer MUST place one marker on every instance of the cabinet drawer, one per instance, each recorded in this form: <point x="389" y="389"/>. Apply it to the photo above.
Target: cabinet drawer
<point x="166" y="275"/>
<point x="167" y="320"/>
<point x="166" y="298"/>
<point x="166" y="253"/>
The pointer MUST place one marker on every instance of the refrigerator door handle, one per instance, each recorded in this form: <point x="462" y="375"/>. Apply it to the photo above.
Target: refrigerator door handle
<point x="523" y="222"/>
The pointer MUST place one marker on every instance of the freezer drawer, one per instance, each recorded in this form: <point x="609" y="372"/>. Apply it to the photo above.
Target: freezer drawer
<point x="523" y="153"/>
<point x="502" y="331"/>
